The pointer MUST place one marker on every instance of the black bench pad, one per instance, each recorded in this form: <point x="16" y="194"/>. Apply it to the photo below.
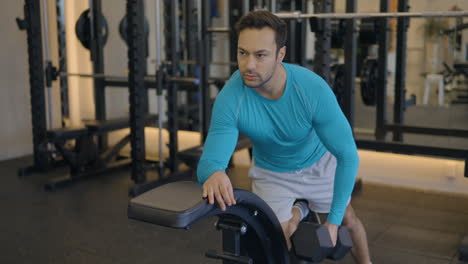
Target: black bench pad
<point x="176" y="205"/>
<point x="102" y="126"/>
<point x="179" y="204"/>
<point x="66" y="133"/>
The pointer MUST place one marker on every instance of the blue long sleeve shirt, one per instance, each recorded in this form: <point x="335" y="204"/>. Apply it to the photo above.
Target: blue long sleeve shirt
<point x="288" y="134"/>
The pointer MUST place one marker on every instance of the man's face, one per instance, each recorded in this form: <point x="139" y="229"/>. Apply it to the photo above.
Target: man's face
<point x="256" y="55"/>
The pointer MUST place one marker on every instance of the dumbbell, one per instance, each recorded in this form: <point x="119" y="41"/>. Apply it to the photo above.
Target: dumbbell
<point x="312" y="242"/>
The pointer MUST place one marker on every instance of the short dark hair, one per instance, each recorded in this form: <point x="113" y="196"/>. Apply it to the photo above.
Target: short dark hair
<point x="261" y="18"/>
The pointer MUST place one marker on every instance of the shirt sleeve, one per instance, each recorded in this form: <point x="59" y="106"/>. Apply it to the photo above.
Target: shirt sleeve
<point x="335" y="133"/>
<point x="221" y="140"/>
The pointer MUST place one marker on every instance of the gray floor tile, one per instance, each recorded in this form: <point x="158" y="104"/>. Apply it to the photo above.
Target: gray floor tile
<point x="87" y="223"/>
<point x="420" y="241"/>
<point x="385" y="255"/>
<point x="433" y="219"/>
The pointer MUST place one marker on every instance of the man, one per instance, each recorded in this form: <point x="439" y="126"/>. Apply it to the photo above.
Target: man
<point x="303" y="147"/>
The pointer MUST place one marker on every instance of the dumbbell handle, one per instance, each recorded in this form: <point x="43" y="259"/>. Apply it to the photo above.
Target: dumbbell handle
<point x="343" y="244"/>
<point x="312" y="242"/>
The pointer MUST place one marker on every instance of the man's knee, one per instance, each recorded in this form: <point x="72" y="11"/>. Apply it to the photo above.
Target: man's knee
<point x="350" y="219"/>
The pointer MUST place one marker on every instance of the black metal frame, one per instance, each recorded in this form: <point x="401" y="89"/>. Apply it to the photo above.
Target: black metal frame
<point x="62" y="55"/>
<point x="138" y="85"/>
<point x="170" y="79"/>
<point x="400" y="71"/>
<point x="321" y="66"/>
<point x="398" y="128"/>
<point x="136" y="58"/>
<point x="235" y="13"/>
<point x="173" y="49"/>
<point x="32" y="23"/>
<point x="97" y="57"/>
<point x="49" y="145"/>
<point x="322" y="30"/>
<point x="297" y="29"/>
<point x="382" y="61"/>
<point x="204" y="47"/>
<point x="350" y="47"/>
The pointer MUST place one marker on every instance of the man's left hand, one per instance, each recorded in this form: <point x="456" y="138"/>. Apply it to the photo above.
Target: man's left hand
<point x="333" y="230"/>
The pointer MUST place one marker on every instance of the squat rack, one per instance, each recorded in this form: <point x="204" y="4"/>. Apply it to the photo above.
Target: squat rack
<point x="322" y="63"/>
<point x="167" y="76"/>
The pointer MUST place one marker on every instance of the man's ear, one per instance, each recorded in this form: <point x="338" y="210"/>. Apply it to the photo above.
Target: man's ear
<point x="281" y="54"/>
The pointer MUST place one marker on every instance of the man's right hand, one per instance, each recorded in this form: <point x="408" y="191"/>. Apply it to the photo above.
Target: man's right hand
<point x="219" y="187"/>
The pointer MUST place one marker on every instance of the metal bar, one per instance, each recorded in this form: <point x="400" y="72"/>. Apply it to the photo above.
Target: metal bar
<point x="111" y="153"/>
<point x="191" y="37"/>
<point x="45" y="26"/>
<point x="236" y="10"/>
<point x="172" y="93"/>
<point x="86" y="75"/>
<point x="292" y="37"/>
<point x="204" y="72"/>
<point x="137" y="89"/>
<point x="194" y="62"/>
<point x="260" y="4"/>
<point x="400" y="71"/>
<point x="323" y="42"/>
<point x="91" y="29"/>
<point x="200" y="56"/>
<point x="427" y="130"/>
<point x="411" y="149"/>
<point x="350" y="50"/>
<point x="97" y="50"/>
<point x="303" y="37"/>
<point x="159" y="84"/>
<point x="158" y="34"/>
<point x="273" y="6"/>
<point x="62" y="52"/>
<point x="103" y="76"/>
<point x="456" y="28"/>
<point x="218" y="29"/>
<point x="148" y="78"/>
<point x="363" y="131"/>
<point x="299" y="15"/>
<point x="109" y="83"/>
<point x="36" y="82"/>
<point x="381" y="93"/>
<point x="245" y="6"/>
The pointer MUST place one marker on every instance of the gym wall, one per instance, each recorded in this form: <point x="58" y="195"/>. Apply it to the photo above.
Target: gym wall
<point x="15" y="131"/>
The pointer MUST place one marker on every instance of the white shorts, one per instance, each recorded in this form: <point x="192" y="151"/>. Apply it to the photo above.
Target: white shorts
<point x="280" y="189"/>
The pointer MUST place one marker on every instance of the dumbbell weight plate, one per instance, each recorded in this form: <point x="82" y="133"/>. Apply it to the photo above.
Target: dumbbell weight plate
<point x="311" y="241"/>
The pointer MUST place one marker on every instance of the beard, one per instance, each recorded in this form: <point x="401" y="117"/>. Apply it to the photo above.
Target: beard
<point x="255" y="83"/>
<point x="259" y="81"/>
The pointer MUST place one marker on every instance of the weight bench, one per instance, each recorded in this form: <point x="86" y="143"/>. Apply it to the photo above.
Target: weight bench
<point x="105" y="126"/>
<point x="251" y="231"/>
<point x="66" y="133"/>
<point x="85" y="158"/>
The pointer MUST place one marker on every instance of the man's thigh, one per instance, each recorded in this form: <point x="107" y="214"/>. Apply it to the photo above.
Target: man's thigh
<point x="319" y="181"/>
<point x="280" y="190"/>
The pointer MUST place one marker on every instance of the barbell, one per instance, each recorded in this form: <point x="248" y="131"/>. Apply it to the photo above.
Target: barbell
<point x="300" y="15"/>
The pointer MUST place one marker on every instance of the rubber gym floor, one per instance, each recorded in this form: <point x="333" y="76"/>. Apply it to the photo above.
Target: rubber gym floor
<point x="87" y="223"/>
